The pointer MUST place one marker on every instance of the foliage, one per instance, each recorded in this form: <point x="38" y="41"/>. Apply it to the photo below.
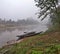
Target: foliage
<point x="49" y="50"/>
<point x="46" y="7"/>
<point x="55" y="17"/>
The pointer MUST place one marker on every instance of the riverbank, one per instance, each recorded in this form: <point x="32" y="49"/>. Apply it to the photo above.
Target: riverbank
<point x="47" y="42"/>
<point x="20" y="27"/>
<point x="21" y="37"/>
<point x="9" y="34"/>
<point x="12" y="42"/>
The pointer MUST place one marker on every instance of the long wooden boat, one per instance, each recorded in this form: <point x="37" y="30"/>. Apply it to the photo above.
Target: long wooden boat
<point x="29" y="34"/>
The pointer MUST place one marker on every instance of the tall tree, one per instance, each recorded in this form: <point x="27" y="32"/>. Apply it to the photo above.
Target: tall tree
<point x="46" y="7"/>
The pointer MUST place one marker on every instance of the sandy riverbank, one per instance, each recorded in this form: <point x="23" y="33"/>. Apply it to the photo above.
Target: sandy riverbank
<point x="8" y="43"/>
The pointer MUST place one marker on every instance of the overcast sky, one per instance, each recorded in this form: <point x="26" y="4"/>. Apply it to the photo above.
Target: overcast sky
<point x="17" y="9"/>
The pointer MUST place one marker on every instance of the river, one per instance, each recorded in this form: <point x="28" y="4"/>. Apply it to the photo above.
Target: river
<point x="10" y="34"/>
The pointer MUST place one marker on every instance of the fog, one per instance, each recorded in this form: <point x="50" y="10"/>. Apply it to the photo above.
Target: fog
<point x="17" y="9"/>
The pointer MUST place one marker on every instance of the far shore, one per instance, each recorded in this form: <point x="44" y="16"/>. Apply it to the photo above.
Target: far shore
<point x="14" y="27"/>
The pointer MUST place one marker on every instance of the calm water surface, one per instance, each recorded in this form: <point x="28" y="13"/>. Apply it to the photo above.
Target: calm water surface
<point x="10" y="34"/>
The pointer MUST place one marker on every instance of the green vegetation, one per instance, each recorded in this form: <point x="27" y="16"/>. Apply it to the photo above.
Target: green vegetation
<point x="49" y="50"/>
<point x="47" y="43"/>
<point x="47" y="7"/>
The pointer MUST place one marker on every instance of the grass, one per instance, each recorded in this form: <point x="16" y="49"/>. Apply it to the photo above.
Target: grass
<point x="47" y="43"/>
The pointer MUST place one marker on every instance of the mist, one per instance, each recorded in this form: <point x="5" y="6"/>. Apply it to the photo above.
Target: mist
<point x="17" y="9"/>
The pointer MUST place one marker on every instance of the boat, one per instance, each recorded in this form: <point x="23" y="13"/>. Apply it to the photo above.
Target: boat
<point x="29" y="34"/>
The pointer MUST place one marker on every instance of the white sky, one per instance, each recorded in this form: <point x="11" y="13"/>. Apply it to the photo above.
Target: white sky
<point x="17" y="9"/>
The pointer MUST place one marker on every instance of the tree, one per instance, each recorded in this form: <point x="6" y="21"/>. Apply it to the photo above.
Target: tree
<point x="47" y="7"/>
<point x="55" y="17"/>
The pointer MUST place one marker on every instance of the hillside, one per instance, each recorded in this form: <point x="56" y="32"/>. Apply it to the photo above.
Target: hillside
<point x="47" y="43"/>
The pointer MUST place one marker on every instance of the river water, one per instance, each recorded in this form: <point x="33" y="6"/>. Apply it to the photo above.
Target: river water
<point x="10" y="34"/>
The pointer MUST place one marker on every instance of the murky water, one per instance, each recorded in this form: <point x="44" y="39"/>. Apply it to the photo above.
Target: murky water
<point x="10" y="34"/>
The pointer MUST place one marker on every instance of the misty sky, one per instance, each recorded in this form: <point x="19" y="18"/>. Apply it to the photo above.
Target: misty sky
<point x="17" y="9"/>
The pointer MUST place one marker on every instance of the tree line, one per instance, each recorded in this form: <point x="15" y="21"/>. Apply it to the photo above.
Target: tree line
<point x="18" y="22"/>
